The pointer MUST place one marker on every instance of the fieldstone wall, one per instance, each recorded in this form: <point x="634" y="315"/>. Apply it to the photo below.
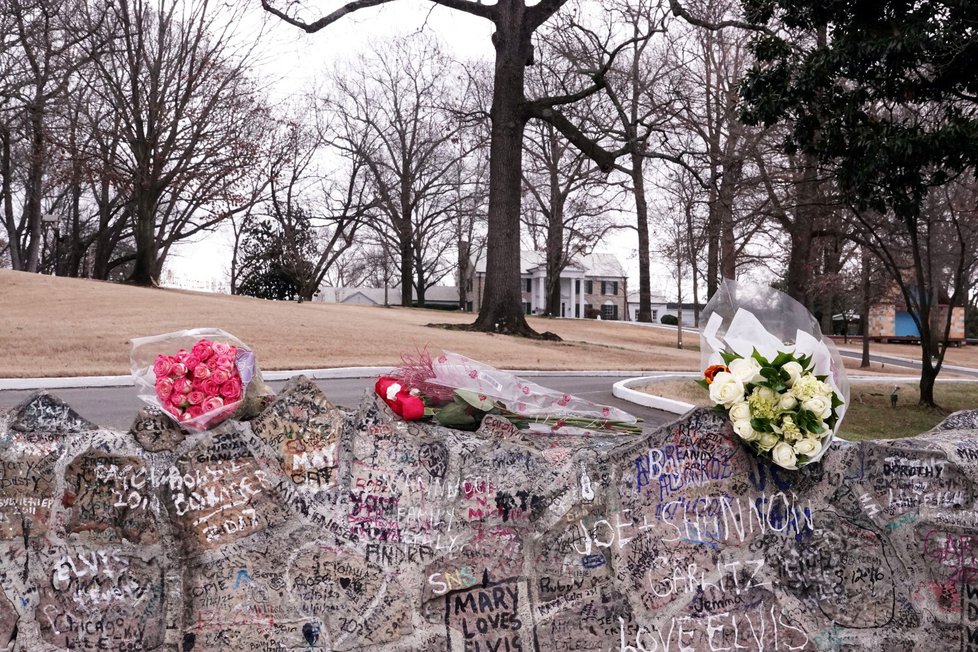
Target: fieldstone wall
<point x="312" y="529"/>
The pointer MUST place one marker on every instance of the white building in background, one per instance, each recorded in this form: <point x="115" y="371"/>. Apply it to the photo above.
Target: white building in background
<point x="439" y="296"/>
<point x="591" y="286"/>
<point x="661" y="307"/>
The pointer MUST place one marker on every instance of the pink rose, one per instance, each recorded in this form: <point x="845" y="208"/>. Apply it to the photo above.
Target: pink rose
<point x="194" y="411"/>
<point x="231" y="390"/>
<point x="191" y="361"/>
<point x="181" y="354"/>
<point x="210" y="386"/>
<point x="224" y="362"/>
<point x="172" y="409"/>
<point x="201" y="372"/>
<point x="212" y="403"/>
<point x="162" y="366"/>
<point x="164" y="387"/>
<point x="178" y="370"/>
<point x="179" y="401"/>
<point x="221" y="376"/>
<point x="203" y="349"/>
<point x="221" y="348"/>
<point x="196" y="397"/>
<point x="182" y="386"/>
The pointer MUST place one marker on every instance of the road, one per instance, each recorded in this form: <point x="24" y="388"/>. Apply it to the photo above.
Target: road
<point x="115" y="407"/>
<point x="906" y="362"/>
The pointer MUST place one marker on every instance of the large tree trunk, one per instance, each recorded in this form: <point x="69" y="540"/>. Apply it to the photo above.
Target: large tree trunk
<point x="728" y="188"/>
<point x="407" y="270"/>
<point x="501" y="309"/>
<point x="144" y="269"/>
<point x="6" y="172"/>
<point x="642" y="224"/>
<point x="928" y="374"/>
<point x="867" y="299"/>
<point x="35" y="181"/>
<point x="799" y="274"/>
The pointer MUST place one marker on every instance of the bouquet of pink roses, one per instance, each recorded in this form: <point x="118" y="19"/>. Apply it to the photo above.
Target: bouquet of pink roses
<point x="203" y="383"/>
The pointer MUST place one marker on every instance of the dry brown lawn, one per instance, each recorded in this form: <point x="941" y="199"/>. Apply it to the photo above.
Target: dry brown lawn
<point x="965" y="356"/>
<point x="71" y="327"/>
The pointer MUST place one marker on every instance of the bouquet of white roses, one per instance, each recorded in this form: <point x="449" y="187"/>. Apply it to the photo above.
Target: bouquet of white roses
<point x="779" y="407"/>
<point x="767" y="366"/>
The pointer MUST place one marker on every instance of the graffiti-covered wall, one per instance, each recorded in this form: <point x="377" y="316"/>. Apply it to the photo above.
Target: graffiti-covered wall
<point x="312" y="529"/>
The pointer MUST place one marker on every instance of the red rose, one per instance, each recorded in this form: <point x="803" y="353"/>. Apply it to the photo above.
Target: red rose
<point x="712" y="371"/>
<point x="400" y="400"/>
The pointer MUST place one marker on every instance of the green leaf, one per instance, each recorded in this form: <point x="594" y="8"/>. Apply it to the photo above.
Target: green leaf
<point x="761" y="425"/>
<point x="782" y="359"/>
<point x="728" y="357"/>
<point x="702" y="383"/>
<point x="457" y="415"/>
<point x="760" y="358"/>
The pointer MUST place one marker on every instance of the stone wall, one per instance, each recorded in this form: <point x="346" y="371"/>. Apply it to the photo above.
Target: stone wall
<point x="311" y="529"/>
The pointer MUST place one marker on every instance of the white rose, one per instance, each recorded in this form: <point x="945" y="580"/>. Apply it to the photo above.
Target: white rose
<point x="747" y="370"/>
<point x="794" y="371"/>
<point x="808" y="446"/>
<point x="767" y="394"/>
<point x="767" y="441"/>
<point x="726" y="389"/>
<point x="740" y="411"/>
<point x="784" y="455"/>
<point x="744" y="430"/>
<point x="788" y="402"/>
<point x="818" y="405"/>
<point x="825" y="389"/>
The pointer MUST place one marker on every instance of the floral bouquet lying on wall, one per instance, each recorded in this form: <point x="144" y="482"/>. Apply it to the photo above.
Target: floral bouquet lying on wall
<point x="457" y="392"/>
<point x="768" y="368"/>
<point x="199" y="377"/>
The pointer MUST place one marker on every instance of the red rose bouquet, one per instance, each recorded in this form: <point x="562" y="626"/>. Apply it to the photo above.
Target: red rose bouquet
<point x="203" y="383"/>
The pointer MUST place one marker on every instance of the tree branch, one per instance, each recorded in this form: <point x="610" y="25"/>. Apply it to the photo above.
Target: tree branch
<point x="328" y="19"/>
<point x="683" y="13"/>
<point x="604" y="159"/>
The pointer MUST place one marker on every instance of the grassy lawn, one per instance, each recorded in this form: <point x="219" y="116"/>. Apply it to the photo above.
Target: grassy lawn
<point x="870" y="415"/>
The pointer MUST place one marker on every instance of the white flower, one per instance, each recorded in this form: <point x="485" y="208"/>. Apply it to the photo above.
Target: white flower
<point x="726" y="389"/>
<point x="744" y="430"/>
<point x="794" y="371"/>
<point x="767" y="441"/>
<point x="747" y="370"/>
<point x="767" y="394"/>
<point x="788" y="402"/>
<point x="819" y="405"/>
<point x="392" y="391"/>
<point x="808" y="446"/>
<point x="740" y="411"/>
<point x="784" y="455"/>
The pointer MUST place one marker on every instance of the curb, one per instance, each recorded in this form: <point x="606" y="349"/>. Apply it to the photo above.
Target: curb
<point x="69" y="382"/>
<point x="623" y="390"/>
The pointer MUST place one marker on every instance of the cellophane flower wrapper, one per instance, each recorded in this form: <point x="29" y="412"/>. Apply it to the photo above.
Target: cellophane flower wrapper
<point x="146" y="349"/>
<point x="525" y="398"/>
<point x="741" y="318"/>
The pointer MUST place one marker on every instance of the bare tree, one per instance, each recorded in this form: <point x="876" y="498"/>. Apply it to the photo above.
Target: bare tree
<point x="569" y="207"/>
<point x="398" y="113"/>
<point x="190" y="118"/>
<point x="41" y="51"/>
<point x="515" y="23"/>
